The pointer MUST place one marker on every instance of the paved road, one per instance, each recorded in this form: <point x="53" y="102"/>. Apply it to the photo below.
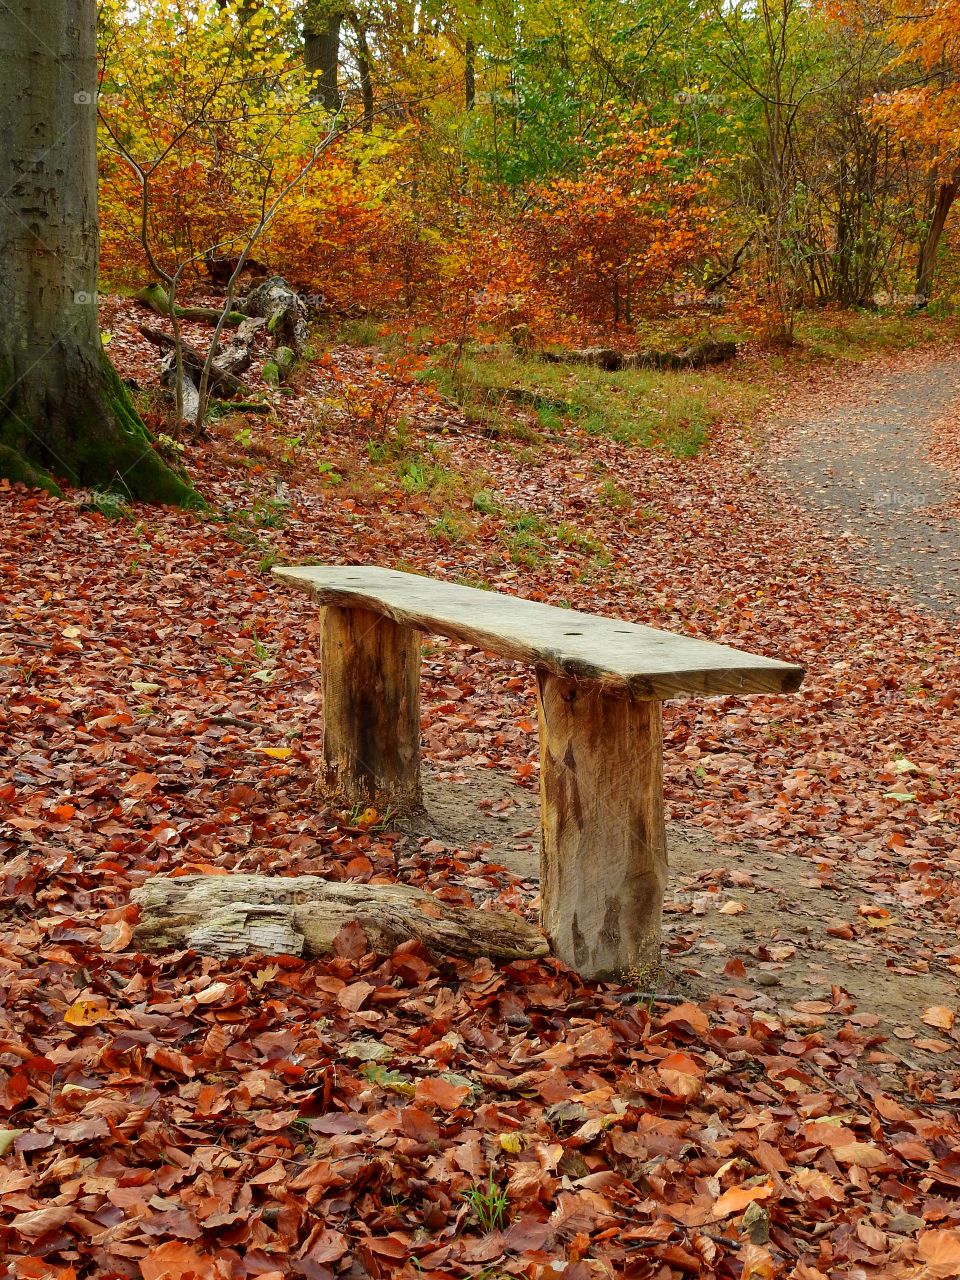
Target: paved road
<point x="866" y="466"/>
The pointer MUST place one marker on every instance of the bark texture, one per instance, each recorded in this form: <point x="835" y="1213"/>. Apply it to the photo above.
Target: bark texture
<point x="603" y="862"/>
<point x="371" y="712"/>
<point x="301" y="916"/>
<point x="63" y="411"/>
<point x="944" y="196"/>
<point x="321" y="54"/>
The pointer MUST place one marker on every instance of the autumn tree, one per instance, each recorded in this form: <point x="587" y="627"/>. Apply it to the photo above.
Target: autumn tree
<point x="633" y="218"/>
<point x="63" y="411"/>
<point x="926" y="115"/>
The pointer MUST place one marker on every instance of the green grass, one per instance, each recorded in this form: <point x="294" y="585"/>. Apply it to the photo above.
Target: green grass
<point x="450" y="527"/>
<point x="359" y="333"/>
<point x="672" y="411"/>
<point x="611" y="495"/>
<point x="856" y="335"/>
<point x="490" y="1205"/>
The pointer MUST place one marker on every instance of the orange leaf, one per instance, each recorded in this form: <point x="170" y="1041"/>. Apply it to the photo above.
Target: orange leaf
<point x="940" y="1016"/>
<point x="689" y="1014"/>
<point x="116" y="936"/>
<point x="681" y="1074"/>
<point x="862" y="1154"/>
<point x="441" y="1093"/>
<point x="87" y="1013"/>
<point x="940" y="1250"/>
<point x="178" y="1261"/>
<point x="738" y="1198"/>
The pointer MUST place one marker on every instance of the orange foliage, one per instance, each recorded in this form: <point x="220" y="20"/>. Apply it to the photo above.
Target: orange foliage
<point x="625" y="228"/>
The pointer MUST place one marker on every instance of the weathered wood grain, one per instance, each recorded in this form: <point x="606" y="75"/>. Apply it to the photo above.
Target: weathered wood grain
<point x="629" y="660"/>
<point x="371" y="711"/>
<point x="301" y="916"/>
<point x="603" y="858"/>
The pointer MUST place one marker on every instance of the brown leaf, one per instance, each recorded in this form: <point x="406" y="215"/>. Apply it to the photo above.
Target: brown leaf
<point x="37" y="1222"/>
<point x="351" y="942"/>
<point x="433" y="1092"/>
<point x="353" y="997"/>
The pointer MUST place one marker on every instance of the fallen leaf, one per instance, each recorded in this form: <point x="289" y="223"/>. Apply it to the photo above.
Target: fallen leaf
<point x="939" y="1016"/>
<point x="87" y="1013"/>
<point x="432" y="1091"/>
<point x="737" y="1198"/>
<point x="681" y="1074"/>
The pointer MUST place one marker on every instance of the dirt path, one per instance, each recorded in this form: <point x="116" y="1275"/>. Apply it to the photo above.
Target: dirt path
<point x="741" y="921"/>
<point x="861" y="454"/>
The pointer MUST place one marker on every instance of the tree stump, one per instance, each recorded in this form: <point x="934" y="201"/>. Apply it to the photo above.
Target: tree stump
<point x="371" y="712"/>
<point x="604" y="853"/>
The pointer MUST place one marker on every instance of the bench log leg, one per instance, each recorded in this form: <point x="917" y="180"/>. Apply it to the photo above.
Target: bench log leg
<point x="603" y="860"/>
<point x="371" y="711"/>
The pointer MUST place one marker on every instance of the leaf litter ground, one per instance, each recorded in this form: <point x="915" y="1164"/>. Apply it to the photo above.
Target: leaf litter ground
<point x="177" y="1116"/>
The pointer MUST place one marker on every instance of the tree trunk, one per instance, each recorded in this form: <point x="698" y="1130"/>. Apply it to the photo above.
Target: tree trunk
<point x="63" y="410"/>
<point x="371" y="711"/>
<point x="603" y="862"/>
<point x="321" y="53"/>
<point x="365" y="68"/>
<point x="926" y="263"/>
<point x="470" y="74"/>
<point x="302" y="915"/>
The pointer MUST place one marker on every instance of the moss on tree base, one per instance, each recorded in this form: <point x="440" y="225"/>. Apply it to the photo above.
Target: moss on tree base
<point x="102" y="445"/>
<point x="15" y="468"/>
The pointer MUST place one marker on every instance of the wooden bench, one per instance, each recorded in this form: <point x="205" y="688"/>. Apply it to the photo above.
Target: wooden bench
<point x="603" y="860"/>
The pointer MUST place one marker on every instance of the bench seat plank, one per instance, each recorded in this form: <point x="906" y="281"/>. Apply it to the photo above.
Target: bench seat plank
<point x="627" y="659"/>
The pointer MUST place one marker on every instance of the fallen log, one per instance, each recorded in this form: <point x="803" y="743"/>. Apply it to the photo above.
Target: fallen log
<point x="222" y="381"/>
<point x="600" y="357"/>
<point x="301" y="916"/>
<point x="697" y="356"/>
<point x="155" y="297"/>
<point x="237" y="355"/>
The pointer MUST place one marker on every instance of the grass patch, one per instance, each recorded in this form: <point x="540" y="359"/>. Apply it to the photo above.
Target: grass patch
<point x="672" y="411"/>
<point x="450" y="527"/>
<point x="359" y="333"/>
<point x="611" y="495"/>
<point x="490" y="1205"/>
<point x="857" y="335"/>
